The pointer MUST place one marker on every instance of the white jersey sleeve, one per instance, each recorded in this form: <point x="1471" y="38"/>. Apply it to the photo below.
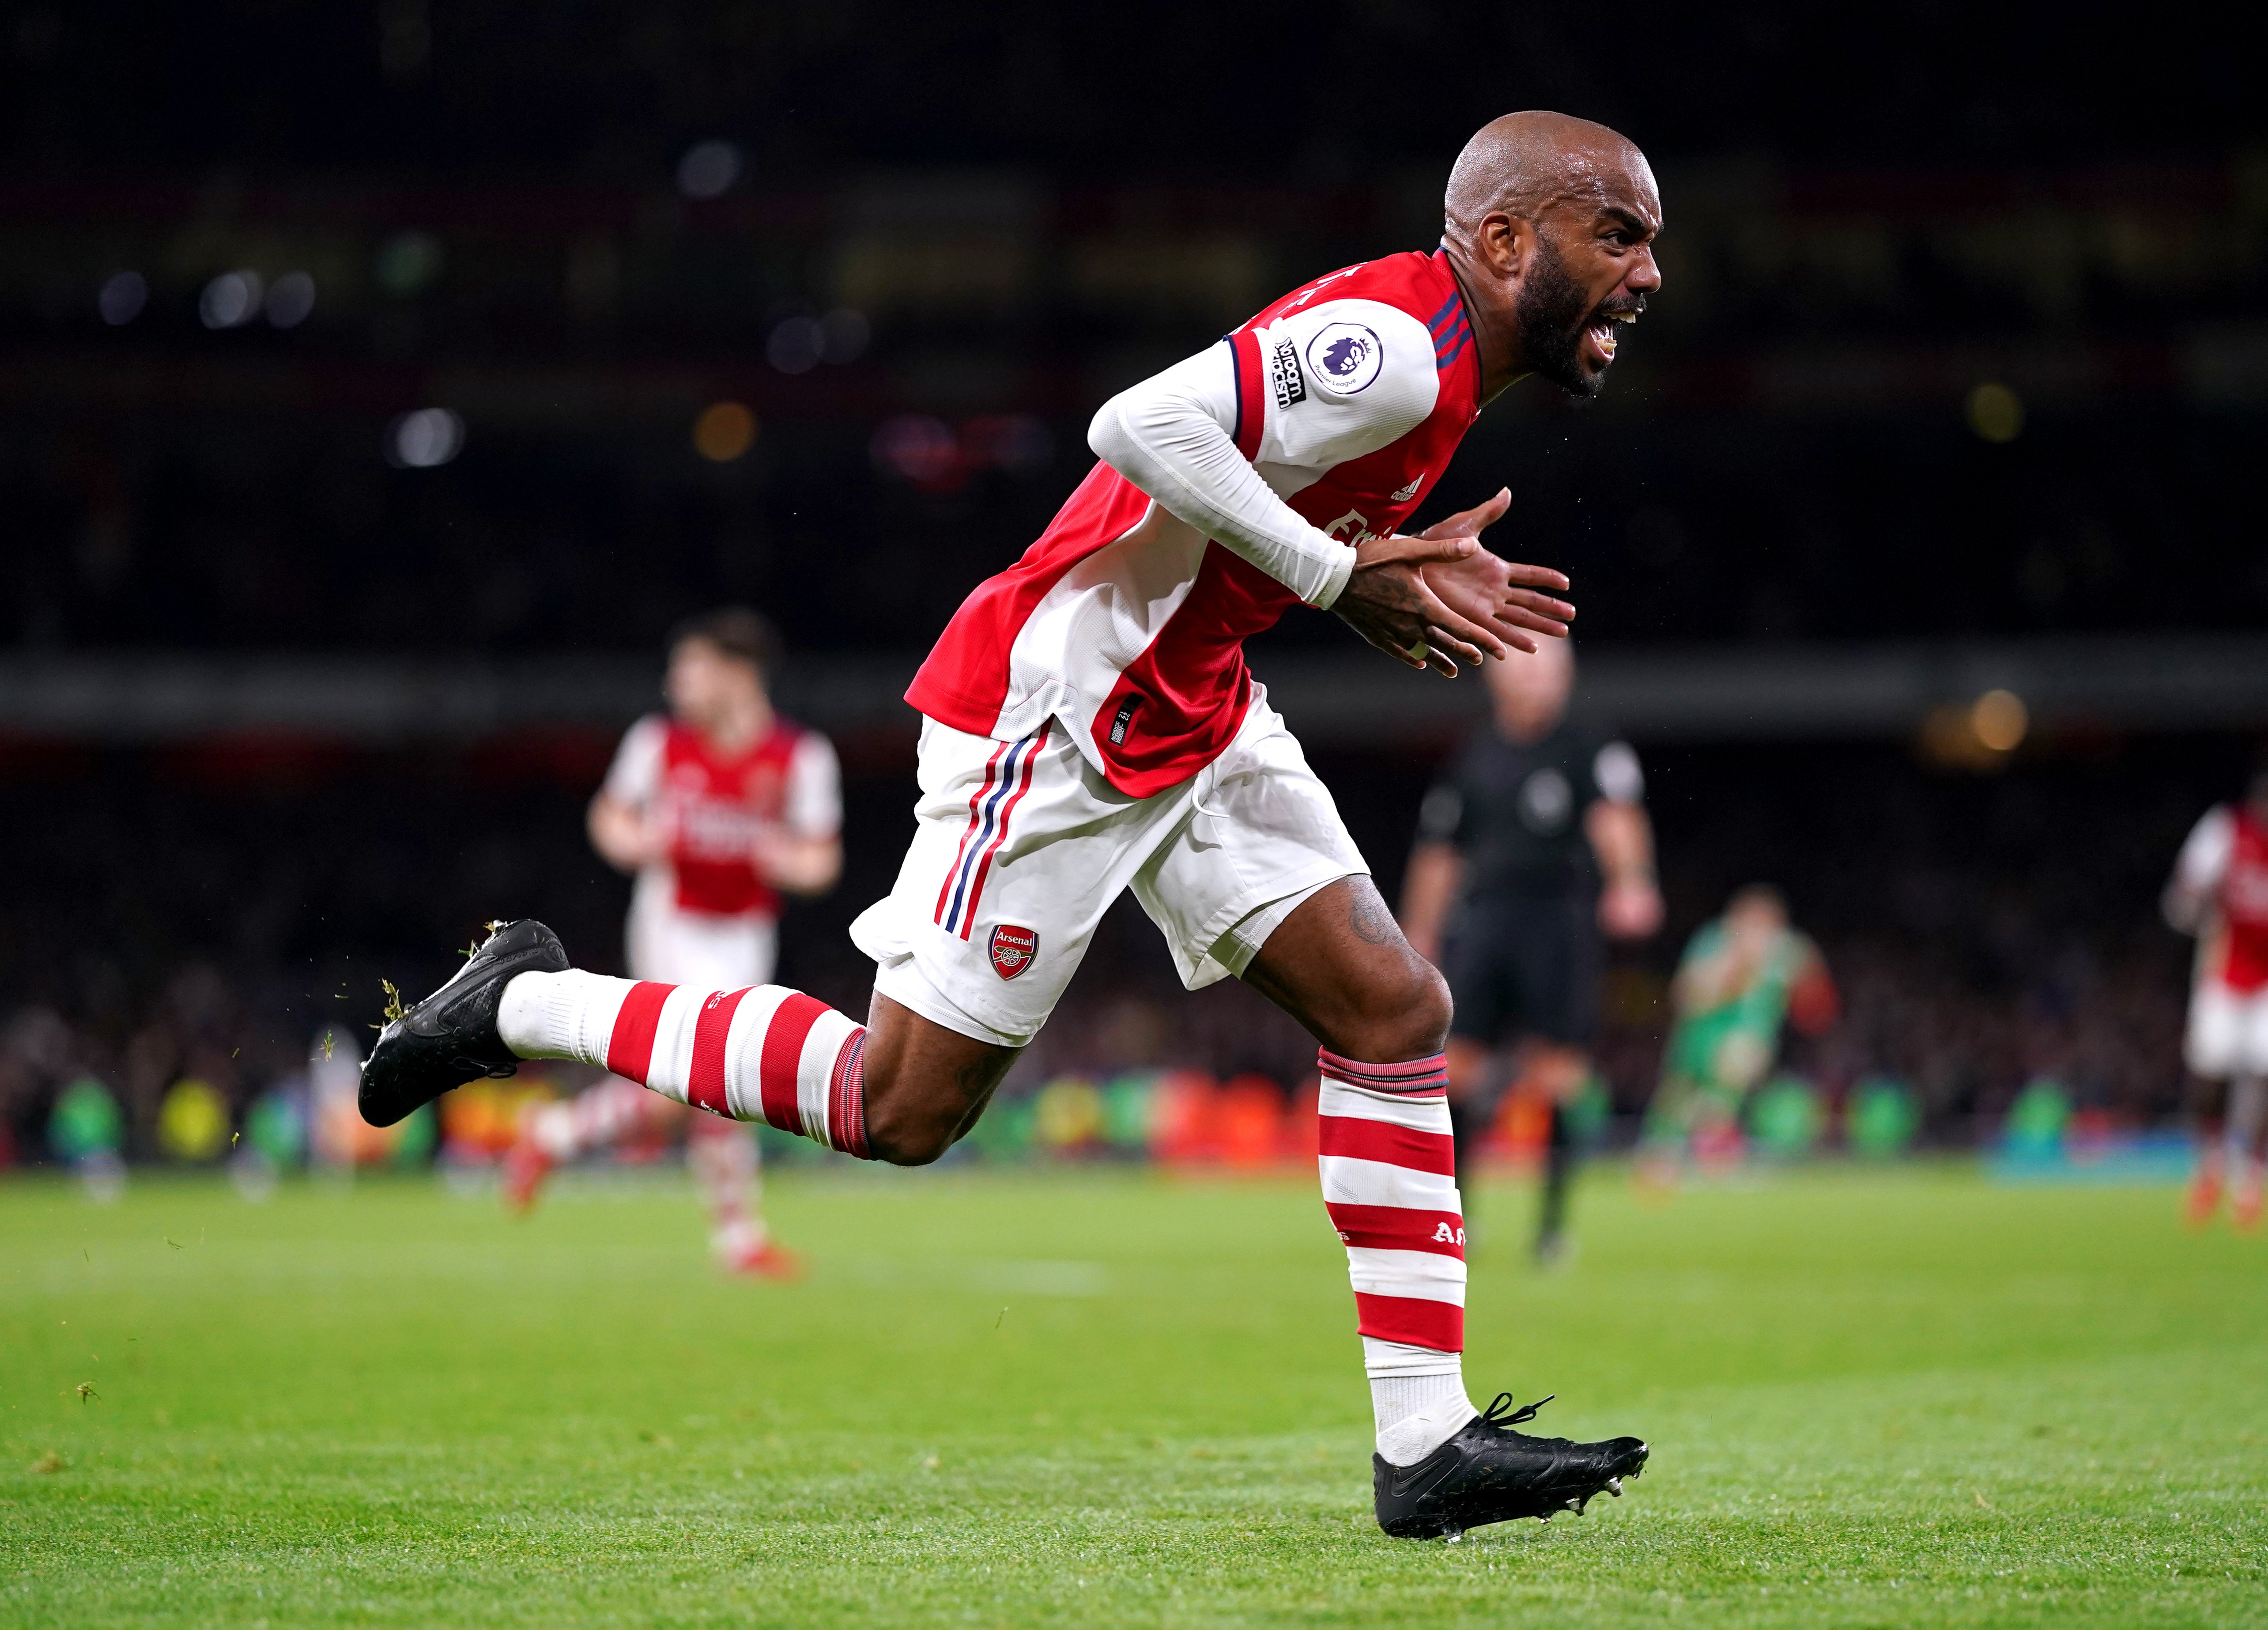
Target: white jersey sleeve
<point x="1172" y="435"/>
<point x="2205" y="856"/>
<point x="814" y="788"/>
<point x="635" y="777"/>
<point x="1343" y="379"/>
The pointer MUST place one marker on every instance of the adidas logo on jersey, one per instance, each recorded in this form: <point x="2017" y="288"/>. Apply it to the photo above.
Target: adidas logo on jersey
<point x="1402" y="495"/>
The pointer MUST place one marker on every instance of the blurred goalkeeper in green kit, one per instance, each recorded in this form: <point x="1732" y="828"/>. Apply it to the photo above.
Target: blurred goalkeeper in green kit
<point x="1741" y="978"/>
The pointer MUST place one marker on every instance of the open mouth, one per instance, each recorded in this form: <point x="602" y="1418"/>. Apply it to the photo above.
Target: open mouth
<point x="1601" y="336"/>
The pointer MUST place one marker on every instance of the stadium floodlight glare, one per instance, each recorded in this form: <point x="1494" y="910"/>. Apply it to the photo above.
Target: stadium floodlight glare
<point x="229" y="300"/>
<point x="424" y="439"/>
<point x="796" y="345"/>
<point x="1999" y="719"/>
<point x="291" y="299"/>
<point x="918" y="449"/>
<point x="725" y="430"/>
<point x="708" y="169"/>
<point x="1995" y="412"/>
<point x="122" y="299"/>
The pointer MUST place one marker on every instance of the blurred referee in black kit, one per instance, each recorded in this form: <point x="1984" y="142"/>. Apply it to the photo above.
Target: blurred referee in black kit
<point x="1532" y="844"/>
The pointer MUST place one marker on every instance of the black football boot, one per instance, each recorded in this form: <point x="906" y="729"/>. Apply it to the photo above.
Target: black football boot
<point x="1488" y="1473"/>
<point x="451" y="1038"/>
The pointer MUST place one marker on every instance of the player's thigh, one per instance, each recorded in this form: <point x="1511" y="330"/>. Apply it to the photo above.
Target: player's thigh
<point x="1338" y="964"/>
<point x="1254" y="836"/>
<point x="1560" y="964"/>
<point x="2252" y="1032"/>
<point x="1019" y="849"/>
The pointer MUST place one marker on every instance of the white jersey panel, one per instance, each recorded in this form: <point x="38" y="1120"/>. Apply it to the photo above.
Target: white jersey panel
<point x="1096" y="620"/>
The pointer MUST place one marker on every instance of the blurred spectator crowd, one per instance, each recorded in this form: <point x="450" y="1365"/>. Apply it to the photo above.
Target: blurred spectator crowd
<point x="1988" y="932"/>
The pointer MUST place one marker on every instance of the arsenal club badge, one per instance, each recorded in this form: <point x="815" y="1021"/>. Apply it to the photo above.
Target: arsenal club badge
<point x="1013" y="949"/>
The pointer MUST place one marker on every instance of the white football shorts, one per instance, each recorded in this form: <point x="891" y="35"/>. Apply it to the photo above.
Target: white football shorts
<point x="674" y="946"/>
<point x="1021" y="846"/>
<point x="2229" y="1031"/>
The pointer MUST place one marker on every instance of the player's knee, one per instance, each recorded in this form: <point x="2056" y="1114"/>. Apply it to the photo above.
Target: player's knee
<point x="914" y="1147"/>
<point x="902" y="1131"/>
<point x="1406" y="1017"/>
<point x="897" y="1143"/>
<point x="1429" y="1008"/>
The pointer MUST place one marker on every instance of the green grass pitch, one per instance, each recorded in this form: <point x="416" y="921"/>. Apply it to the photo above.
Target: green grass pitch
<point x="1904" y="1398"/>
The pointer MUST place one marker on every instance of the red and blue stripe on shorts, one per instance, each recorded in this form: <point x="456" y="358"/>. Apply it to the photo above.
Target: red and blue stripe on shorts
<point x="1008" y="778"/>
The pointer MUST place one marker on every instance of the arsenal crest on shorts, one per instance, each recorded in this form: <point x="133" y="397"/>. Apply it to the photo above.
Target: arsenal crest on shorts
<point x="1013" y="949"/>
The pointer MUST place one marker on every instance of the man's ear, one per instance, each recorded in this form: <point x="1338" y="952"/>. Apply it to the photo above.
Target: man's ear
<point x="1505" y="242"/>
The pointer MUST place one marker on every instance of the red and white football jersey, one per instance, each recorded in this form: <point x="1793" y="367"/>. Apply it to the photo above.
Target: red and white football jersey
<point x="712" y="805"/>
<point x="2226" y="859"/>
<point x="1349" y="397"/>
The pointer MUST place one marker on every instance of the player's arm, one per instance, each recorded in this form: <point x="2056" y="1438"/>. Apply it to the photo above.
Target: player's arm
<point x="620" y="821"/>
<point x="621" y="833"/>
<point x="1706" y="974"/>
<point x="1437" y="869"/>
<point x="1622" y="838"/>
<point x="2188" y="899"/>
<point x="803" y="854"/>
<point x="1621" y="841"/>
<point x="1174" y="437"/>
<point x="1814" y="1004"/>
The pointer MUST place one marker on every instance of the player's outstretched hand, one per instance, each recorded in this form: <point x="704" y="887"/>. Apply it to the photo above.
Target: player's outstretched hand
<point x="1391" y="602"/>
<point x="1630" y="910"/>
<point x="1487" y="588"/>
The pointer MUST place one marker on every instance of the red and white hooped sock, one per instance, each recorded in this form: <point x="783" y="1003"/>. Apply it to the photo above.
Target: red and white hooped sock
<point x="765" y="1053"/>
<point x="726" y="1164"/>
<point x="1389" y="1168"/>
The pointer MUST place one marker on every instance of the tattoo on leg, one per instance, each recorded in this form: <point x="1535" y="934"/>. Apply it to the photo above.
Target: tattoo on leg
<point x="1367" y="916"/>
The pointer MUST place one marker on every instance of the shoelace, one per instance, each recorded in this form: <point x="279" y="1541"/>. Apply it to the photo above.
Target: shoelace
<point x="1495" y="1415"/>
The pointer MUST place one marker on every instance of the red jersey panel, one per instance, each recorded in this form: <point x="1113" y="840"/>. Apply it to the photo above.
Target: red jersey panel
<point x="711" y="806"/>
<point x="1129" y="625"/>
<point x="2241" y="958"/>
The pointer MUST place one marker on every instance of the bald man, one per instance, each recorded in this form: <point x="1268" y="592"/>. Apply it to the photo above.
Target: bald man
<point x="1089" y="726"/>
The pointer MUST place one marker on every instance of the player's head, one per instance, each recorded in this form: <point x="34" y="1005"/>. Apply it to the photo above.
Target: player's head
<point x="1757" y="910"/>
<point x="718" y="663"/>
<point x="1556" y="218"/>
<point x="1529" y="690"/>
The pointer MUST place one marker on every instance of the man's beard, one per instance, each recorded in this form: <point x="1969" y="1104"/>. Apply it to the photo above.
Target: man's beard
<point x="1548" y="313"/>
